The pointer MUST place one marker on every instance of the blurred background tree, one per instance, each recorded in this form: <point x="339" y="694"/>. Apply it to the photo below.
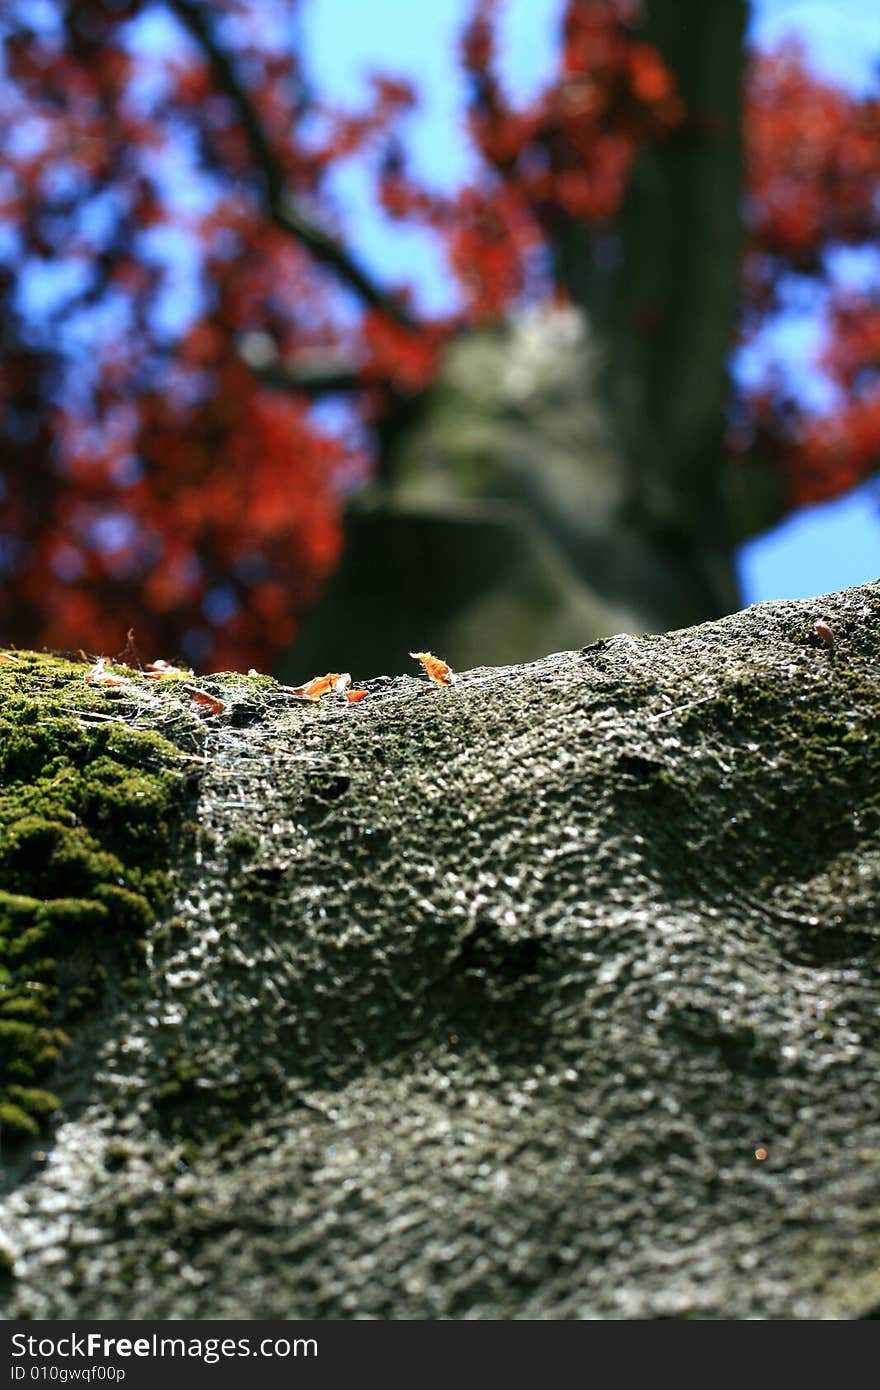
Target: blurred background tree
<point x="210" y="405"/>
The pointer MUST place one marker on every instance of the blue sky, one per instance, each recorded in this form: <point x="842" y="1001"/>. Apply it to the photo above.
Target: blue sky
<point x="820" y="549"/>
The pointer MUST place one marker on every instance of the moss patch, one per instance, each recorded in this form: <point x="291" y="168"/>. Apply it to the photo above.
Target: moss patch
<point x="88" y="816"/>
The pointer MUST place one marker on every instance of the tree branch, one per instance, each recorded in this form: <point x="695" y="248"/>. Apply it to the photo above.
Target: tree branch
<point x="311" y="383"/>
<point x="279" y="203"/>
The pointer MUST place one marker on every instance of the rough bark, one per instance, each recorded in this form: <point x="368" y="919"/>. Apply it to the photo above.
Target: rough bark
<point x="552" y="994"/>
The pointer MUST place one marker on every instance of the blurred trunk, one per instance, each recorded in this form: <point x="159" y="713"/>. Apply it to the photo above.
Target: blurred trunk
<point x="662" y="292"/>
<point x="564" y="479"/>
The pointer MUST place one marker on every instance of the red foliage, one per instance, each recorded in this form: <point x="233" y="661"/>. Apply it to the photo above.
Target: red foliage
<point x="830" y="453"/>
<point x="395" y="354"/>
<point x="150" y="477"/>
<point x="152" y="480"/>
<point x="568" y="151"/>
<point x="813" y="158"/>
<point x="813" y="161"/>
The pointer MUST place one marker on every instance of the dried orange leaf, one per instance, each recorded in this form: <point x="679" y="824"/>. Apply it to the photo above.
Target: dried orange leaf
<point x="207" y="702"/>
<point x="336" y="681"/>
<point x="435" y="668"/>
<point x="352" y="696"/>
<point x="4" y="656"/>
<point x="309" y="690"/>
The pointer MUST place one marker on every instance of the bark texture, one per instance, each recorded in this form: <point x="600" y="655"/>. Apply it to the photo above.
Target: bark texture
<point x="553" y="994"/>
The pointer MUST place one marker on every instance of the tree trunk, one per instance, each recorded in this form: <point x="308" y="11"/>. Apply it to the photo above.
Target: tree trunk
<point x="661" y="291"/>
<point x="602" y="430"/>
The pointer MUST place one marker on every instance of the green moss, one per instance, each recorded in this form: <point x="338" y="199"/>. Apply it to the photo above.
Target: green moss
<point x="88" y="807"/>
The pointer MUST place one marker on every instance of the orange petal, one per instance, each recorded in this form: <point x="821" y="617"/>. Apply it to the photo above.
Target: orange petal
<point x="4" y="656"/>
<point x="352" y="696"/>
